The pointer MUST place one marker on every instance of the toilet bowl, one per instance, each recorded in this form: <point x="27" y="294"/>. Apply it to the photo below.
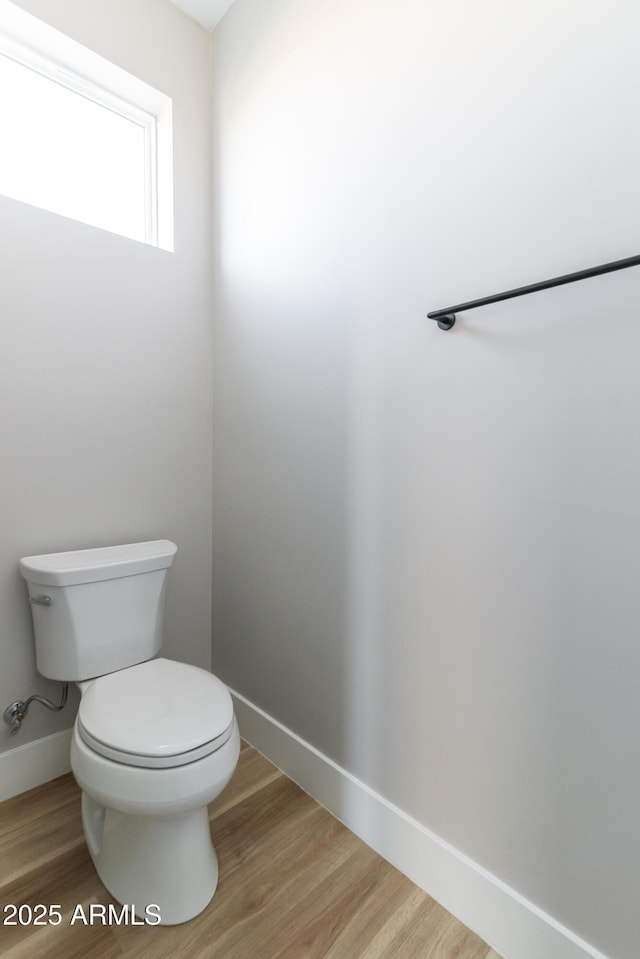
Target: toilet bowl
<point x="147" y="771"/>
<point x="155" y="740"/>
<point x="161" y="855"/>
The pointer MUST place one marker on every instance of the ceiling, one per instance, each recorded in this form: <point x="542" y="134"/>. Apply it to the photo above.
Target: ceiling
<point x="206" y="12"/>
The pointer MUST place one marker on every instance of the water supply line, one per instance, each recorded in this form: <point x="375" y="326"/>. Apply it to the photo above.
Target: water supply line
<point x="16" y="712"/>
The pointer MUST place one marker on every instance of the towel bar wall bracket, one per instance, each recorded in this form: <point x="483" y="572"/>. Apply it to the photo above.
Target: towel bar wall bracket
<point x="447" y="321"/>
<point x="446" y="317"/>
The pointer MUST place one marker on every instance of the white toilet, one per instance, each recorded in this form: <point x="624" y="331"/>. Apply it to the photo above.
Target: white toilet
<point x="155" y="740"/>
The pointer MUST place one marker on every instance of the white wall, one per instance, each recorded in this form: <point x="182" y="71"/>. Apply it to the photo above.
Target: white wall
<point x="426" y="543"/>
<point x="105" y="364"/>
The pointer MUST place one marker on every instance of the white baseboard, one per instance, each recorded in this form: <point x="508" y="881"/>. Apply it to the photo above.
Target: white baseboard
<point x="513" y="926"/>
<point x="35" y="763"/>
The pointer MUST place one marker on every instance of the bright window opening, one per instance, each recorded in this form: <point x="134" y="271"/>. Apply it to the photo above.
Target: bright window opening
<point x="73" y="144"/>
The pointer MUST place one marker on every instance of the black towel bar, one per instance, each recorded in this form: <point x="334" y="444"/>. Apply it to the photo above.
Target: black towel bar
<point x="447" y="316"/>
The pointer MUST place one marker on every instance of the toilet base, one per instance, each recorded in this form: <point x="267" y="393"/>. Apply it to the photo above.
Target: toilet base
<point x="165" y="862"/>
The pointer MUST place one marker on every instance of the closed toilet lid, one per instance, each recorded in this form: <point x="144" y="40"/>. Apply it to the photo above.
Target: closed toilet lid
<point x="157" y="714"/>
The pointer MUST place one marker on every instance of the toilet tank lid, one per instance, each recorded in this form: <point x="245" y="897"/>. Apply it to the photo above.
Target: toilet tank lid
<point x="92" y="565"/>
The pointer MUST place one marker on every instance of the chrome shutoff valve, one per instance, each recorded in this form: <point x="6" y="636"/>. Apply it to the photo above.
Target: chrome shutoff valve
<point x="13" y="716"/>
<point x="16" y="712"/>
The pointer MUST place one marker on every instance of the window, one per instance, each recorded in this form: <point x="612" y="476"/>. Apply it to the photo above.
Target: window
<point x="81" y="137"/>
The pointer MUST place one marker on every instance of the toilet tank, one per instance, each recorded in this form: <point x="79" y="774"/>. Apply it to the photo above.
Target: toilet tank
<point x="97" y="610"/>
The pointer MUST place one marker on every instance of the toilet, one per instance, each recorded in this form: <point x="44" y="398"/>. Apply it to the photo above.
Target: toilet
<point x="155" y="740"/>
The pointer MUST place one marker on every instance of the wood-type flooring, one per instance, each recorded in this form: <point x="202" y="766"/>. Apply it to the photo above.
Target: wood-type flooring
<point x="294" y="884"/>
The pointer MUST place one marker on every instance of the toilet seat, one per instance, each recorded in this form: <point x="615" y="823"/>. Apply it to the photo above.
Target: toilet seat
<point x="158" y="714"/>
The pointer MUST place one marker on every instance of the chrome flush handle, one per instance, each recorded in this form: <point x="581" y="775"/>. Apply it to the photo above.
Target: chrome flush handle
<point x="40" y="600"/>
